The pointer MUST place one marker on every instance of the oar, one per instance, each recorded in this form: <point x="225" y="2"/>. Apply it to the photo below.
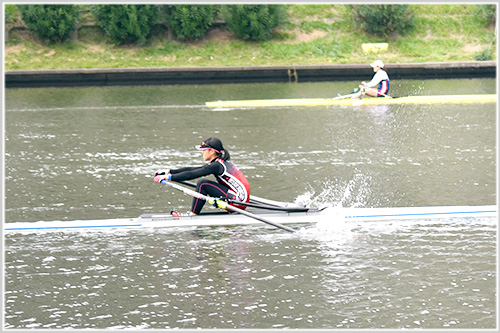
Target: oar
<point x="359" y="102"/>
<point x="257" y="199"/>
<point x="361" y="95"/>
<point x="343" y="96"/>
<point x="268" y="207"/>
<point x="224" y="205"/>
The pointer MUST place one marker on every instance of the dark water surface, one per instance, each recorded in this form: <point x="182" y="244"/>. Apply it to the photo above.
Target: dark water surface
<point x="89" y="153"/>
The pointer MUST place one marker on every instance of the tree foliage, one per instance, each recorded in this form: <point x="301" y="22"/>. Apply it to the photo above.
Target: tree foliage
<point x="190" y="22"/>
<point x="50" y="23"/>
<point x="126" y="24"/>
<point x="383" y="20"/>
<point x="253" y="22"/>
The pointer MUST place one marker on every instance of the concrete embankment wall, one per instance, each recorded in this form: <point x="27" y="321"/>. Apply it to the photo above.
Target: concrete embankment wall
<point x="243" y="74"/>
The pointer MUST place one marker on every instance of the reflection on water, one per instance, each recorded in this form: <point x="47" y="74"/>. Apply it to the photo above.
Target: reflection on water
<point x="89" y="153"/>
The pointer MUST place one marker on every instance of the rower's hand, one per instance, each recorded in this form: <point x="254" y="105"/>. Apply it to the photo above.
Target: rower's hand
<point x="162" y="172"/>
<point x="160" y="178"/>
<point x="162" y="175"/>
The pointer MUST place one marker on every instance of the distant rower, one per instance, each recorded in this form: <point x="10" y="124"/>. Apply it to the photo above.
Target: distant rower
<point x="380" y="79"/>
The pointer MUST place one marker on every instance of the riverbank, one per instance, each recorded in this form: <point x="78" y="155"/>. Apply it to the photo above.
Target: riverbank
<point x="313" y="35"/>
<point x="242" y="74"/>
<point x="317" y="43"/>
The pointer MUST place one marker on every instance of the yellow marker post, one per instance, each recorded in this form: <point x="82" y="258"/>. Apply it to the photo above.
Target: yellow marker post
<point x="374" y="47"/>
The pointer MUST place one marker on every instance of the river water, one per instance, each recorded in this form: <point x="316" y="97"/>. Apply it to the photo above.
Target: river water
<point x="90" y="153"/>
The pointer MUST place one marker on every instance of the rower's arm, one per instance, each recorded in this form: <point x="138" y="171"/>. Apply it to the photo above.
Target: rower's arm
<point x="196" y="172"/>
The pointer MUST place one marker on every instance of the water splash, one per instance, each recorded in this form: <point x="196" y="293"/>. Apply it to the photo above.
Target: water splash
<point x="332" y="228"/>
<point x="330" y="232"/>
<point x="353" y="193"/>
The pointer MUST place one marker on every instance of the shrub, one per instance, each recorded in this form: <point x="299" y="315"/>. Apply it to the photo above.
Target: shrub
<point x="10" y="13"/>
<point x="50" y="23"/>
<point x="190" y="22"/>
<point x="253" y="22"/>
<point x="126" y="24"/>
<point x="488" y="13"/>
<point x="383" y="20"/>
<point x="483" y="55"/>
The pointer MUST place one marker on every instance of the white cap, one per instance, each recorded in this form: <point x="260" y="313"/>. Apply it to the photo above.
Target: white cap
<point x="378" y="63"/>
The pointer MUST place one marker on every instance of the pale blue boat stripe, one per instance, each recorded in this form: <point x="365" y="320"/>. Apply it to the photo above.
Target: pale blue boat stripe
<point x="77" y="227"/>
<point x="422" y="214"/>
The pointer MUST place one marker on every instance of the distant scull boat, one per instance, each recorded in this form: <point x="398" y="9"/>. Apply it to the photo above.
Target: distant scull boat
<point x="436" y="99"/>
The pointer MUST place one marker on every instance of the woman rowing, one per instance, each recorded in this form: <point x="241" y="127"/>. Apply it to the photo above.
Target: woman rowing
<point x="380" y="79"/>
<point x="231" y="183"/>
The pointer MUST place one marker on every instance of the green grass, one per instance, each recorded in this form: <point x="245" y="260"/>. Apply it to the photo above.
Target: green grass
<point x="313" y="35"/>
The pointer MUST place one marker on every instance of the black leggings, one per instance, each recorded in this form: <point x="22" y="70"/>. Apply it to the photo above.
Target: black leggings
<point x="212" y="189"/>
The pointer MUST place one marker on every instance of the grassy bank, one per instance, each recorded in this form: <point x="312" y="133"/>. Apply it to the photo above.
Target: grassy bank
<point x="314" y="34"/>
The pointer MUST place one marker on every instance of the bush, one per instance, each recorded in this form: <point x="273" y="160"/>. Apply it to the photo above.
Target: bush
<point x="10" y="14"/>
<point x="383" y="20"/>
<point x="190" y="22"/>
<point x="126" y="24"/>
<point x="50" y="23"/>
<point x="253" y="22"/>
<point x="483" y="55"/>
<point x="488" y="13"/>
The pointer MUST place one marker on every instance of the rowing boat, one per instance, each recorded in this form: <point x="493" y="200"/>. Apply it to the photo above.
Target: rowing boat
<point x="437" y="99"/>
<point x="309" y="216"/>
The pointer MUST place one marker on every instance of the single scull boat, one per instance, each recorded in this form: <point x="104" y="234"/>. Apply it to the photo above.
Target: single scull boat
<point x="437" y="99"/>
<point x="308" y="216"/>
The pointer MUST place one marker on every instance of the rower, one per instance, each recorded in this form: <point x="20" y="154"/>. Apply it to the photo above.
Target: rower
<point x="231" y="183"/>
<point x="380" y="79"/>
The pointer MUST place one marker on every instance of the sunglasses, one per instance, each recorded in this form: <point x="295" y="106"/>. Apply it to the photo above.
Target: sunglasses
<point x="204" y="146"/>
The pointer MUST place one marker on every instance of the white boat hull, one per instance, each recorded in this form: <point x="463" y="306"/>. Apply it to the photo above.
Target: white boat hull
<point x="225" y="219"/>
